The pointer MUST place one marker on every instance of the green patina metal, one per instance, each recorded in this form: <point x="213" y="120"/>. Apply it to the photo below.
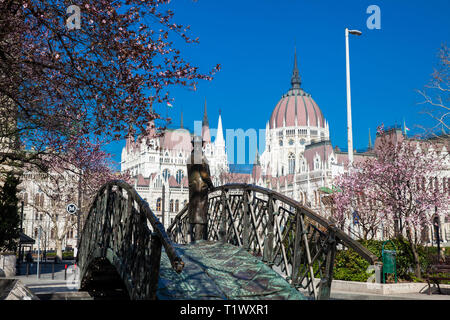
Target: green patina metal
<point x="221" y="271"/>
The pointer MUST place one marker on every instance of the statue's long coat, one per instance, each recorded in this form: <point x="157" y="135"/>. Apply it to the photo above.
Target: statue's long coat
<point x="199" y="182"/>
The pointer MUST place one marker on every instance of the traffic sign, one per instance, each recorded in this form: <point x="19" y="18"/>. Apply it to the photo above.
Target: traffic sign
<point x="71" y="208"/>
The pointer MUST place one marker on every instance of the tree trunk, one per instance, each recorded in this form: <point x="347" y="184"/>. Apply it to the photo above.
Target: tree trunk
<point x="58" y="243"/>
<point x="417" y="270"/>
<point x="412" y="244"/>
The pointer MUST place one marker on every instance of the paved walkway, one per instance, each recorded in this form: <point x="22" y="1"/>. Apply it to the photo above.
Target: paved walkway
<point x="341" y="295"/>
<point x="62" y="282"/>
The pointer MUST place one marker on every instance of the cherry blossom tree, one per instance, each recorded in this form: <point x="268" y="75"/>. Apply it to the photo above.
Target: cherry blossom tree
<point x="110" y="65"/>
<point x="72" y="177"/>
<point x="401" y="187"/>
<point x="357" y="200"/>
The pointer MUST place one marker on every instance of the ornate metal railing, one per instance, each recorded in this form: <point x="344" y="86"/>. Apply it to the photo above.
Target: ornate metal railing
<point x="291" y="238"/>
<point x="121" y="228"/>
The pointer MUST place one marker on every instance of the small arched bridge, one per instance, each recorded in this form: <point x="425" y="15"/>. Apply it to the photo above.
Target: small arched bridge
<point x="261" y="245"/>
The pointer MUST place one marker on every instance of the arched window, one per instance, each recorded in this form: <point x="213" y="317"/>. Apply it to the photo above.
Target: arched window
<point x="317" y="164"/>
<point x="158" y="204"/>
<point x="171" y="205"/>
<point x="158" y="182"/>
<point x="166" y="174"/>
<point x="303" y="165"/>
<point x="184" y="203"/>
<point x="25" y="199"/>
<point x="41" y="201"/>
<point x="291" y="163"/>
<point x="179" y="176"/>
<point x="177" y="206"/>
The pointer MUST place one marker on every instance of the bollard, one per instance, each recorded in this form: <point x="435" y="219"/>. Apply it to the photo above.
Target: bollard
<point x="40" y="270"/>
<point x="28" y="269"/>
<point x="65" y="272"/>
<point x="53" y="271"/>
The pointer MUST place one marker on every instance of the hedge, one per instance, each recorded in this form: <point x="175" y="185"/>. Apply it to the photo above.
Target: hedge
<point x="352" y="267"/>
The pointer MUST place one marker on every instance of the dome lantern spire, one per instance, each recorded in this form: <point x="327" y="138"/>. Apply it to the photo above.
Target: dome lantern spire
<point x="295" y="79"/>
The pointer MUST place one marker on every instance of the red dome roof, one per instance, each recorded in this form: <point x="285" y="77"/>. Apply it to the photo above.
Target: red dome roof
<point x="296" y="104"/>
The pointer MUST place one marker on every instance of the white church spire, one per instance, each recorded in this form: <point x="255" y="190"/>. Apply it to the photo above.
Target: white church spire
<point x="220" y="141"/>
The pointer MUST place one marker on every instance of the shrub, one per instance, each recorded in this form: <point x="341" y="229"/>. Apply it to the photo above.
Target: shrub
<point x="351" y="267"/>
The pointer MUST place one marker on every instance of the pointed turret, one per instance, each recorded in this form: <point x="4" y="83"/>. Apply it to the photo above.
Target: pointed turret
<point x="295" y="79"/>
<point x="205" y="127"/>
<point x="220" y="141"/>
<point x="130" y="139"/>
<point x="370" y="147"/>
<point x="181" y="120"/>
<point x="256" y="171"/>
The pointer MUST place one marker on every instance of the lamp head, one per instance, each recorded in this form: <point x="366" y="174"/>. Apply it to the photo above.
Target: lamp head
<point x="355" y="32"/>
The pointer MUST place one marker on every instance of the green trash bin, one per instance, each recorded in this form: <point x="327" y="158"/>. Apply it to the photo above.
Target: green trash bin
<point x="389" y="260"/>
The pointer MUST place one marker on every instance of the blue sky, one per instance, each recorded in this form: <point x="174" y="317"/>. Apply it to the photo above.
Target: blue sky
<point x="254" y="42"/>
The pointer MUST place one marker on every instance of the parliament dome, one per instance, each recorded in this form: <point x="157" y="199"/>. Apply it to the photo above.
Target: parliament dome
<point x="296" y="107"/>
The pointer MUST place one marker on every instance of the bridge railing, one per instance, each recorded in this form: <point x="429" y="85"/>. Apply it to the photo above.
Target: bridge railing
<point x="121" y="228"/>
<point x="295" y="241"/>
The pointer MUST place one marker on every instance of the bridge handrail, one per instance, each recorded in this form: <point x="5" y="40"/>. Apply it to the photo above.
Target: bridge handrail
<point x="175" y="260"/>
<point x="341" y="235"/>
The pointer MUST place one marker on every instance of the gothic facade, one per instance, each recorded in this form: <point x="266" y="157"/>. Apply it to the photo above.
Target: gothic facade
<point x="158" y="165"/>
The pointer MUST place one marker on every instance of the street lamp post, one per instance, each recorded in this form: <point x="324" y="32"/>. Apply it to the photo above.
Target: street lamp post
<point x="39" y="252"/>
<point x="349" y="102"/>
<point x="163" y="213"/>
<point x="349" y="107"/>
<point x="21" y="230"/>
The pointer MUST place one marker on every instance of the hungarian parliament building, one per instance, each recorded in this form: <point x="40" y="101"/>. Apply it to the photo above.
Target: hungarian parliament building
<point x="299" y="160"/>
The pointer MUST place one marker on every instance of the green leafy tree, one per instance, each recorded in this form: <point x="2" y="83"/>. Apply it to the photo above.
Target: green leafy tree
<point x="9" y="216"/>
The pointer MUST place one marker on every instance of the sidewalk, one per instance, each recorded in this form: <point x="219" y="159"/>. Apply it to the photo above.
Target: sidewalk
<point x="343" y="295"/>
<point x="62" y="287"/>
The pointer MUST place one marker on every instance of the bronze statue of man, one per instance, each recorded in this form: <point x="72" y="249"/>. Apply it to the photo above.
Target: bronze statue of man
<point x="199" y="184"/>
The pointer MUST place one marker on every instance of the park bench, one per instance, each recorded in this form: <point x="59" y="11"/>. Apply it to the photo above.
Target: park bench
<point x="437" y="273"/>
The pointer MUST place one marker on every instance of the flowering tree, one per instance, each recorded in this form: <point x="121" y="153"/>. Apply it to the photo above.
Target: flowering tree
<point x="357" y="205"/>
<point x="78" y="173"/>
<point x="98" y="65"/>
<point x="400" y="187"/>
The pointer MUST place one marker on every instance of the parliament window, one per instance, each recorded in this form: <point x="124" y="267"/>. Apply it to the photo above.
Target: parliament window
<point x="291" y="163"/>
<point x="179" y="176"/>
<point x="158" y="204"/>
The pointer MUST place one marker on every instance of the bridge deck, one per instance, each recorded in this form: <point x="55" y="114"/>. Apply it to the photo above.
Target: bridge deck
<point x="221" y="271"/>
